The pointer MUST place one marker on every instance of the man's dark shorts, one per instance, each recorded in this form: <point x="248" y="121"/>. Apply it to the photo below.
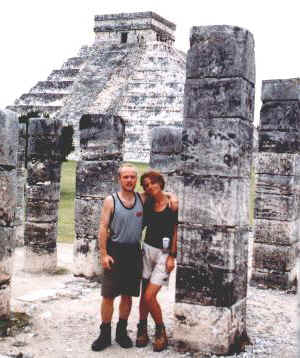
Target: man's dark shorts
<point x="124" y="278"/>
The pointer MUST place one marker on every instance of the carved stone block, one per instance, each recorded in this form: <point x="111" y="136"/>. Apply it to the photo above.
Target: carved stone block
<point x="47" y="191"/>
<point x="276" y="184"/>
<point x="276" y="207"/>
<point x="215" y="98"/>
<point x="208" y="329"/>
<point x="218" y="247"/>
<point x="166" y="140"/>
<point x="271" y="257"/>
<point x="277" y="164"/>
<point x="221" y="51"/>
<point x="281" y="90"/>
<point x="87" y="218"/>
<point x="217" y="147"/>
<point x="41" y="211"/>
<point x="41" y="172"/>
<point x="96" y="179"/>
<point x="275" y="232"/>
<point x="279" y="142"/>
<point x="215" y="201"/>
<point x="280" y="116"/>
<point x="40" y="237"/>
<point x="101" y="136"/>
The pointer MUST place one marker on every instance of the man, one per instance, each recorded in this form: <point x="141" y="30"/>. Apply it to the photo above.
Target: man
<point x="120" y="254"/>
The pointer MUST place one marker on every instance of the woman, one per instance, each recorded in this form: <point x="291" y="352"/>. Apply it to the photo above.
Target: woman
<point x="160" y="217"/>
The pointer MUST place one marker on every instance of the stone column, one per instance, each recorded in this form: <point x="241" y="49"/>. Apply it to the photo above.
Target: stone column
<point x="101" y="141"/>
<point x="8" y="188"/>
<point x="43" y="193"/>
<point x="277" y="209"/>
<point x="21" y="180"/>
<point x="211" y="281"/>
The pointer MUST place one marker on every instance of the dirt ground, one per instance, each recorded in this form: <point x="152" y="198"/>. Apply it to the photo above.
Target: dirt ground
<point x="64" y="313"/>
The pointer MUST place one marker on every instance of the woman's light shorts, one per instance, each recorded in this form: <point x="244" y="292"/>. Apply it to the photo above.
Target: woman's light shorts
<point x="154" y="265"/>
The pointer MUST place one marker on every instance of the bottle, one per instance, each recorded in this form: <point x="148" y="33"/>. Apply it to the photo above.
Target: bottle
<point x="166" y="244"/>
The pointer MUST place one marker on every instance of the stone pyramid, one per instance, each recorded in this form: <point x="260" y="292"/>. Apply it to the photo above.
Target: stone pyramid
<point x="132" y="70"/>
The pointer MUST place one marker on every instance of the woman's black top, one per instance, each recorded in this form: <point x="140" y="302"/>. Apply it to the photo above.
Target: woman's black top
<point x="159" y="224"/>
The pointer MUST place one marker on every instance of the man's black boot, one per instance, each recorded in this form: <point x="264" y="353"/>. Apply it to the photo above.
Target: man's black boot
<point x="121" y="334"/>
<point x="104" y="339"/>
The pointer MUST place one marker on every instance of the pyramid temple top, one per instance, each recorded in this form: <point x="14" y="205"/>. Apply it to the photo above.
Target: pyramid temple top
<point x="133" y="27"/>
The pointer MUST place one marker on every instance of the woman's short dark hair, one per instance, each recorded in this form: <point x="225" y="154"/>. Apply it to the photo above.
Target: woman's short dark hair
<point x="154" y="176"/>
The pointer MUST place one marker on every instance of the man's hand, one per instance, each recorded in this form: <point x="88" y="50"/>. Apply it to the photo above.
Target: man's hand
<point x="170" y="264"/>
<point x="107" y="261"/>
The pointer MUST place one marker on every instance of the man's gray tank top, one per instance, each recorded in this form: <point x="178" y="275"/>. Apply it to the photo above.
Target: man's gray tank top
<point x="126" y="223"/>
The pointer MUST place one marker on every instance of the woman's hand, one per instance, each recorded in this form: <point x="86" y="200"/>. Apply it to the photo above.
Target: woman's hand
<point x="170" y="264"/>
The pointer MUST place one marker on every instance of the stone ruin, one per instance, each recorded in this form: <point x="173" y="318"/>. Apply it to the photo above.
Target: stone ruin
<point x="207" y="163"/>
<point x="132" y="70"/>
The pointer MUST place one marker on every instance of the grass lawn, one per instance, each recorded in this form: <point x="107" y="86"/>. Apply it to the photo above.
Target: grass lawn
<point x="66" y="232"/>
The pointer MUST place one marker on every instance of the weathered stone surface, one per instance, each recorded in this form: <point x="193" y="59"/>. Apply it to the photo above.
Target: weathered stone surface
<point x="87" y="218"/>
<point x="38" y="210"/>
<point x="39" y="261"/>
<point x="48" y="191"/>
<point x="8" y="196"/>
<point x="225" y="146"/>
<point x="43" y="172"/>
<point x="271" y="257"/>
<point x="215" y="201"/>
<point x="221" y="51"/>
<point x="86" y="259"/>
<point x="273" y="279"/>
<point x="216" y="247"/>
<point x="40" y="238"/>
<point x="287" y="89"/>
<point x="101" y="136"/>
<point x="166" y="140"/>
<point x="44" y="127"/>
<point x="280" y="116"/>
<point x="277" y="163"/>
<point x="279" y="142"/>
<point x="44" y="147"/>
<point x="8" y="138"/>
<point x="208" y="329"/>
<point x="276" y="184"/>
<point x="210" y="286"/>
<point x="276" y="207"/>
<point x="5" y="300"/>
<point x="96" y="178"/>
<point x="215" y="98"/>
<point x="275" y="232"/>
<point x="7" y="239"/>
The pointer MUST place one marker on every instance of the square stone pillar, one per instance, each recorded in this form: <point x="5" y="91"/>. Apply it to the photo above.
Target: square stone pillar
<point x="8" y="190"/>
<point x="43" y="194"/>
<point x="211" y="282"/>
<point x="101" y="141"/>
<point x="277" y="168"/>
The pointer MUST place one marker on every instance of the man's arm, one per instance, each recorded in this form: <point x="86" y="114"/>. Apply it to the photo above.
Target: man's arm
<point x="106" y="213"/>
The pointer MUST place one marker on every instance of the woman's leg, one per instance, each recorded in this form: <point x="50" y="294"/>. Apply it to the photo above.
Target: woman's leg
<point x="151" y="303"/>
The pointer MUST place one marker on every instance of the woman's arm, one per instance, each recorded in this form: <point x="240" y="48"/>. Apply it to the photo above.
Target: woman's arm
<point x="170" y="264"/>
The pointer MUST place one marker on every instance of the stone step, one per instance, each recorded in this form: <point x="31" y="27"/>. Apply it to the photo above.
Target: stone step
<point x="74" y="63"/>
<point x="51" y="86"/>
<point x="40" y="99"/>
<point x="22" y="109"/>
<point x="63" y="74"/>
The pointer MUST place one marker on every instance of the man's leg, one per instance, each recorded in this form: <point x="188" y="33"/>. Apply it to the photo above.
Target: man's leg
<point x="104" y="339"/>
<point x="121" y="332"/>
<point x="142" y="338"/>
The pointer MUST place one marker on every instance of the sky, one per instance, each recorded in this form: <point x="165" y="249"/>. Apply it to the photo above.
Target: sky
<point x="37" y="36"/>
